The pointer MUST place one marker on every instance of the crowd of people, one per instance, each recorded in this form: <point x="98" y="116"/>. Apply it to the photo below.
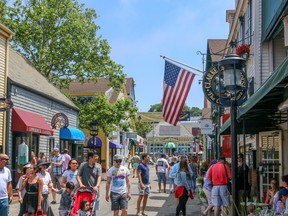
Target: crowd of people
<point x="64" y="175"/>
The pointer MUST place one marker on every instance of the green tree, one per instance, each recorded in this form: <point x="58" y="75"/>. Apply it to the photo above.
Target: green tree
<point x="158" y="108"/>
<point x="195" y="111"/>
<point x="108" y="116"/>
<point x="143" y="128"/>
<point x="59" y="38"/>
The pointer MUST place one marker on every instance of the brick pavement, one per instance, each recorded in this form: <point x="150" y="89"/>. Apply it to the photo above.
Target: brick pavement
<point x="159" y="204"/>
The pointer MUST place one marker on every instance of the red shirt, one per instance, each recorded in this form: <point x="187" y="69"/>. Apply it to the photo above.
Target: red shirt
<point x="217" y="174"/>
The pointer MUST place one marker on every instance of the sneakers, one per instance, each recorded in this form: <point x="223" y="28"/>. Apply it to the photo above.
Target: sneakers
<point x="144" y="214"/>
<point x="138" y="214"/>
<point x="53" y="202"/>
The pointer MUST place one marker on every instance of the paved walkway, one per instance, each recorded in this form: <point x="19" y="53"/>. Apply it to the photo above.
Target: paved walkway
<point x="159" y="204"/>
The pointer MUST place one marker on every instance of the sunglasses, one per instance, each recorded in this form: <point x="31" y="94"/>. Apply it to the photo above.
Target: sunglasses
<point x="7" y="159"/>
<point x="273" y="183"/>
<point x="118" y="161"/>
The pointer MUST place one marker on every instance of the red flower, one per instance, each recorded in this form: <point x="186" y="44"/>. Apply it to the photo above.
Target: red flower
<point x="242" y="49"/>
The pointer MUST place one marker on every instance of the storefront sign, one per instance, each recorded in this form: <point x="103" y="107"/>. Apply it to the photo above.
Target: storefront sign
<point x="131" y="135"/>
<point x="59" y="120"/>
<point x="213" y="88"/>
<point x="5" y="104"/>
<point x="206" y="126"/>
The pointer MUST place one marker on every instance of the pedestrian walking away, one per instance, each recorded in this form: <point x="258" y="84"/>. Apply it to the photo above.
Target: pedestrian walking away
<point x="135" y="162"/>
<point x="220" y="195"/>
<point x="57" y="171"/>
<point x="161" y="167"/>
<point x="144" y="186"/>
<point x="6" y="194"/>
<point x="89" y="175"/>
<point x="67" y="158"/>
<point x="120" y="194"/>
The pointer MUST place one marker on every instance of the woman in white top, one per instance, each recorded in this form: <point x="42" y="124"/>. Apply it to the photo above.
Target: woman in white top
<point x="70" y="174"/>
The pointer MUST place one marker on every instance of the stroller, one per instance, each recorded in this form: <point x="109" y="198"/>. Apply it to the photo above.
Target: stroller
<point x="83" y="194"/>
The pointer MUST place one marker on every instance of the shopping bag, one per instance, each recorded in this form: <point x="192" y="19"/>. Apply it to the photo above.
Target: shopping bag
<point x="40" y="212"/>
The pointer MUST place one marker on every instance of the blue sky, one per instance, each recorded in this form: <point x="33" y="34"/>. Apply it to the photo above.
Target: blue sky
<point x="139" y="31"/>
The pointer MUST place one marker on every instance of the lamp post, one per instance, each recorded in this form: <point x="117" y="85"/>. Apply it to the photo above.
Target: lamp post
<point x="94" y="131"/>
<point x="234" y="87"/>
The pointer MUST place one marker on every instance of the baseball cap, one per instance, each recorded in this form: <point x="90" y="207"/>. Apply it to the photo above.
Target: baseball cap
<point x="117" y="157"/>
<point x="214" y="161"/>
<point x="56" y="149"/>
<point x="163" y="155"/>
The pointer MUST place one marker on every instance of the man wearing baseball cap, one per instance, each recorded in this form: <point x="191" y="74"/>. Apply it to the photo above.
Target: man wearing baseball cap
<point x="120" y="193"/>
<point x="161" y="166"/>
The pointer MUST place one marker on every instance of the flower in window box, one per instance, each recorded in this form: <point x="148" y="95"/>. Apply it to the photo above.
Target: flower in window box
<point x="243" y="50"/>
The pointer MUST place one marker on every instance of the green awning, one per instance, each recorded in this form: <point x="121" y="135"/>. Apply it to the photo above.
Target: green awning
<point x="260" y="111"/>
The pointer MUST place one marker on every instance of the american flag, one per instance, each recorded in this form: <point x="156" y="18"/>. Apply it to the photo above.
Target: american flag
<point x="177" y="83"/>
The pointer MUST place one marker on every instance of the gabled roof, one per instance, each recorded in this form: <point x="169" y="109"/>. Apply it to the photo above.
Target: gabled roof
<point x="88" y="88"/>
<point x="21" y="72"/>
<point x="217" y="46"/>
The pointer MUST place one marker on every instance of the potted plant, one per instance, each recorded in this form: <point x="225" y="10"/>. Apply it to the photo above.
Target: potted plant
<point x="243" y="51"/>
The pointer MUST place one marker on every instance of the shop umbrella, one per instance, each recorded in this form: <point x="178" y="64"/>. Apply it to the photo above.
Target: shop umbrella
<point x="170" y="145"/>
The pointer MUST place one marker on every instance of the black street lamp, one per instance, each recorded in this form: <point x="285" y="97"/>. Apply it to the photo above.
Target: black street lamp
<point x="94" y="131"/>
<point x="234" y="84"/>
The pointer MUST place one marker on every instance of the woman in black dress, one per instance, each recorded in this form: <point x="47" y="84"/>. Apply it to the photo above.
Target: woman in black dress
<point x="33" y="185"/>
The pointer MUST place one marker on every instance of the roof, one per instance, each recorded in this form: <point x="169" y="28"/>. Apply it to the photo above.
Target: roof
<point x="217" y="46"/>
<point x="89" y="87"/>
<point x="21" y="71"/>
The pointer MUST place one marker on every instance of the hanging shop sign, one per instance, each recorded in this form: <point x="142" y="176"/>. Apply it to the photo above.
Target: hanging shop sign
<point x="59" y="120"/>
<point x="5" y="104"/>
<point x="184" y="116"/>
<point x="214" y="91"/>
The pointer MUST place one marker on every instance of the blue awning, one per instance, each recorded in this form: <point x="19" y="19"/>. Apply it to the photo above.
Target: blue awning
<point x="71" y="133"/>
<point x="97" y="141"/>
<point x="115" y="145"/>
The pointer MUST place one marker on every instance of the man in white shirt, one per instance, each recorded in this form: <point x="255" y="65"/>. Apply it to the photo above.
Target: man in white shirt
<point x="120" y="193"/>
<point x="6" y="193"/>
<point x="161" y="166"/>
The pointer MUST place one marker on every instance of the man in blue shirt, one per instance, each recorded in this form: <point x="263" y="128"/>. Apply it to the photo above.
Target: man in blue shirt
<point x="143" y="184"/>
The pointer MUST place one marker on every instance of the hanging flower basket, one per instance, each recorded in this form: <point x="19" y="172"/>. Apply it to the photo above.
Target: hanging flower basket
<point x="243" y="50"/>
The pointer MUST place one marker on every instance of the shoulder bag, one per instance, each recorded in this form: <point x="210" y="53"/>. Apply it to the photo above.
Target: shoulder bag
<point x="229" y="184"/>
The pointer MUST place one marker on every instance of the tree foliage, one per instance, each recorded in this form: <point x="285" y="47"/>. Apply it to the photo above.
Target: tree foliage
<point x="143" y="128"/>
<point x="59" y="38"/>
<point x="158" y="108"/>
<point x="195" y="111"/>
<point x="108" y="116"/>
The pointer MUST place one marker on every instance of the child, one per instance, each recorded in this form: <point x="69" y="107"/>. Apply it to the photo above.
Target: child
<point x="66" y="198"/>
<point x="84" y="208"/>
<point x="251" y="210"/>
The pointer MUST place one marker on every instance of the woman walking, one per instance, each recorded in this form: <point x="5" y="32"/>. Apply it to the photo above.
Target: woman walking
<point x="34" y="186"/>
<point x="70" y="174"/>
<point x="184" y="188"/>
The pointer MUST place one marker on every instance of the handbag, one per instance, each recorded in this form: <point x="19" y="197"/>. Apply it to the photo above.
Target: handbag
<point x="40" y="212"/>
<point x="229" y="184"/>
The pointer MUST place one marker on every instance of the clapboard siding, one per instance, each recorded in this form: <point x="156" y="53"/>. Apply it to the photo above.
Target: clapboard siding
<point x="46" y="107"/>
<point x="266" y="70"/>
<point x="3" y="45"/>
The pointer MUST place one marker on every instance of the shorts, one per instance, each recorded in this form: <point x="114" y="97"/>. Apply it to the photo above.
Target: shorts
<point x="145" y="191"/>
<point x="208" y="196"/>
<point x="220" y="196"/>
<point x="118" y="201"/>
<point x="135" y="165"/>
<point x="161" y="176"/>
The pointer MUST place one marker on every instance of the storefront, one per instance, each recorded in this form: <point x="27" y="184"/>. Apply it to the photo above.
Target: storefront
<point x="27" y="129"/>
<point x="72" y="139"/>
<point x="114" y="148"/>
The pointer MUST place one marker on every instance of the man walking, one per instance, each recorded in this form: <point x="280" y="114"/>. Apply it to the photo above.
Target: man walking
<point x="89" y="175"/>
<point x="67" y="158"/>
<point x="161" y="166"/>
<point x="57" y="171"/>
<point x="143" y="183"/>
<point x="219" y="194"/>
<point x="135" y="162"/>
<point x="121" y="187"/>
<point x="6" y="194"/>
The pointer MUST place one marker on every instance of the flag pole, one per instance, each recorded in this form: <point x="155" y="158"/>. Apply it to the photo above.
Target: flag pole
<point x="196" y="69"/>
